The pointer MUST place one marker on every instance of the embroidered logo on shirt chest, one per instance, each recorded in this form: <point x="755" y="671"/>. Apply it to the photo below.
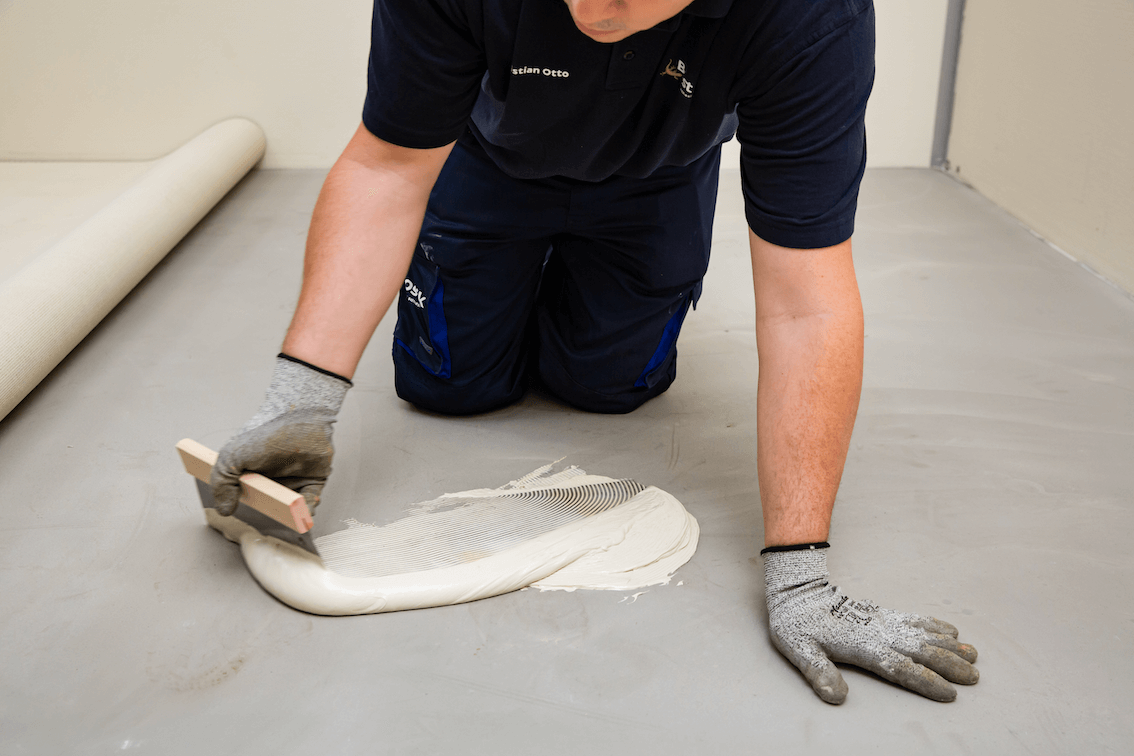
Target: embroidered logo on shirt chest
<point x="678" y="72"/>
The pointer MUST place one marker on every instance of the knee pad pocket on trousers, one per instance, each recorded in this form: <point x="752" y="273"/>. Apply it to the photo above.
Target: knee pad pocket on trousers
<point x="421" y="329"/>
<point x="655" y="369"/>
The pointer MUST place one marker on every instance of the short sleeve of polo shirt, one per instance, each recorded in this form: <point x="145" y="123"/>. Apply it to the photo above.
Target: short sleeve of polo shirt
<point x="426" y="65"/>
<point x="802" y="133"/>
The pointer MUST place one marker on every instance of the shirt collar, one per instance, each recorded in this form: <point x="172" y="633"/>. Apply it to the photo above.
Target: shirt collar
<point x="703" y="8"/>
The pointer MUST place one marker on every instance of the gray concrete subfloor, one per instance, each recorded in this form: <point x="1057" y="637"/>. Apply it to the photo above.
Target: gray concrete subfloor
<point x="990" y="484"/>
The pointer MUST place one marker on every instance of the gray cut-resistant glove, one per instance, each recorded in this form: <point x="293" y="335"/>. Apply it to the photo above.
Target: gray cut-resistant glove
<point x="289" y="438"/>
<point x="813" y="624"/>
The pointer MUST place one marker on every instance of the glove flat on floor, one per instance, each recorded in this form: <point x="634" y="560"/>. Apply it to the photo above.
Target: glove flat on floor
<point x="814" y="624"/>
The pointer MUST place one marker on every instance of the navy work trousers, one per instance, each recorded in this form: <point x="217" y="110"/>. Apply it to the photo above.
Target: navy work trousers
<point x="585" y="284"/>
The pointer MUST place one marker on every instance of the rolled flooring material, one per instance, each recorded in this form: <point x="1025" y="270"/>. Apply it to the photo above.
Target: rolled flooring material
<point x="54" y="300"/>
<point x="42" y="202"/>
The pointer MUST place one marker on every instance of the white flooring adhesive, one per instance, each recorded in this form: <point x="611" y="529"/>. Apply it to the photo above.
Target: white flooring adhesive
<point x="562" y="531"/>
<point x="51" y="301"/>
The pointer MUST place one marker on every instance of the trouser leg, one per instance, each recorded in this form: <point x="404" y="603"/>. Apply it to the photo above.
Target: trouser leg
<point x="461" y="341"/>
<point x="618" y="287"/>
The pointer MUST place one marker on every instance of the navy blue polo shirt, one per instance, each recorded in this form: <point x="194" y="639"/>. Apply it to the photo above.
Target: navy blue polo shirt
<point x="790" y="78"/>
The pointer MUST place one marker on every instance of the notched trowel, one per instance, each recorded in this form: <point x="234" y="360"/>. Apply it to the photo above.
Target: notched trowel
<point x="272" y="509"/>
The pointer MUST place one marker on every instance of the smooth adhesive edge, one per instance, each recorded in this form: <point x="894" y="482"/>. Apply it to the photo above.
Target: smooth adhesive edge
<point x="300" y="580"/>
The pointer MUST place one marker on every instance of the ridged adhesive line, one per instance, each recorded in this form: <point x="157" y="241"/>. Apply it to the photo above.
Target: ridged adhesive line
<point x="464" y="529"/>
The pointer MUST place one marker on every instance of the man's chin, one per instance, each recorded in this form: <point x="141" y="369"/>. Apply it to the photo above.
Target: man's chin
<point x="600" y="35"/>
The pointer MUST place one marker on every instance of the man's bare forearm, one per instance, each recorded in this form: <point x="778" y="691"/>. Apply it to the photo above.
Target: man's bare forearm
<point x="362" y="235"/>
<point x="809" y="333"/>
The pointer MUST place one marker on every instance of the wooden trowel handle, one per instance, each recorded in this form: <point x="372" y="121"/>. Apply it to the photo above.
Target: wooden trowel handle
<point x="262" y="494"/>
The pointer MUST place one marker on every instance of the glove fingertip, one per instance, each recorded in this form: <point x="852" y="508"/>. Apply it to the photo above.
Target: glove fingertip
<point x="313" y="494"/>
<point x="227" y="497"/>
<point x="942" y="694"/>
<point x="826" y="680"/>
<point x="920" y="679"/>
<point x="830" y="686"/>
<point x="817" y="668"/>
<point x="833" y="695"/>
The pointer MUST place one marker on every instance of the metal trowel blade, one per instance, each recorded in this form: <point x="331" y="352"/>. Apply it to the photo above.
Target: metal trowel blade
<point x="261" y="522"/>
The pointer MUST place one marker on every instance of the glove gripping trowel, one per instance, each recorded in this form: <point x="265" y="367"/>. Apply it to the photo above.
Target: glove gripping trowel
<point x="269" y="507"/>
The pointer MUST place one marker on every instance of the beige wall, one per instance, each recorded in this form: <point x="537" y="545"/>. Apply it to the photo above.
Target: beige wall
<point x="1044" y="121"/>
<point x="134" y="79"/>
<point x="899" y="119"/>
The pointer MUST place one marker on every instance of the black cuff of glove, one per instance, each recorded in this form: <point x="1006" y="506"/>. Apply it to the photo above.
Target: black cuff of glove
<point x="317" y="369"/>
<point x="796" y="547"/>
